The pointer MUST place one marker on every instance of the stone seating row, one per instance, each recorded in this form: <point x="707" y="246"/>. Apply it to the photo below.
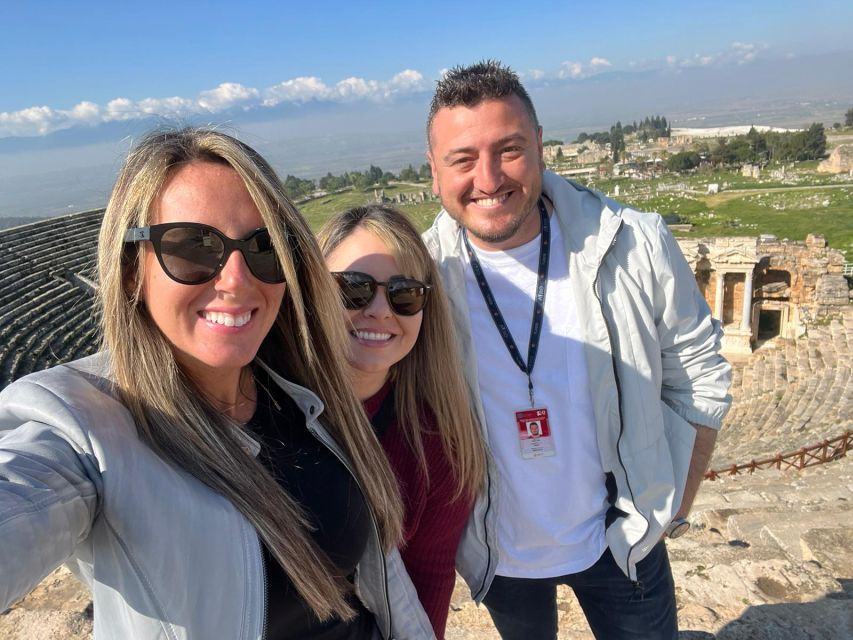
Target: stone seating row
<point x="58" y="237"/>
<point x="789" y="397"/>
<point x="36" y="323"/>
<point x="62" y="227"/>
<point x="44" y="317"/>
<point x="59" y="343"/>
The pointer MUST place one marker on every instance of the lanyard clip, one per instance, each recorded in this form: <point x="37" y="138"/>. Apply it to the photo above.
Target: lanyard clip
<point x="530" y="391"/>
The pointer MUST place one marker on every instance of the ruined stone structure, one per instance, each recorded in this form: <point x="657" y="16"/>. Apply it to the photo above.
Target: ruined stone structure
<point x="417" y="197"/>
<point x="761" y="288"/>
<point x="839" y="161"/>
<point x="586" y="152"/>
<point x="750" y="171"/>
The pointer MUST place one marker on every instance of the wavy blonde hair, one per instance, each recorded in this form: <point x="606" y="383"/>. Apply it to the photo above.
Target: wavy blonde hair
<point x="305" y="345"/>
<point x="431" y="373"/>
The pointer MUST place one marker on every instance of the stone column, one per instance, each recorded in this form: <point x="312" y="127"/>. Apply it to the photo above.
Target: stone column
<point x="719" y="295"/>
<point x="746" y="320"/>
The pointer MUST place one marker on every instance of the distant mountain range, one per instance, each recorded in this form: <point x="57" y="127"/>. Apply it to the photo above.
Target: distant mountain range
<point x="74" y="169"/>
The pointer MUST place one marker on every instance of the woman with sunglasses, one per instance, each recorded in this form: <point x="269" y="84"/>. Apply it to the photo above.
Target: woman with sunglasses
<point x="404" y="367"/>
<point x="209" y="474"/>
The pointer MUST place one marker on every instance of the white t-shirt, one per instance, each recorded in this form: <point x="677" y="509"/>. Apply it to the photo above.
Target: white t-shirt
<point x="551" y="518"/>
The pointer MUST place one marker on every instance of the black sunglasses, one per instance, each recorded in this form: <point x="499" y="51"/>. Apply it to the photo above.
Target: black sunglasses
<point x="193" y="253"/>
<point x="406" y="296"/>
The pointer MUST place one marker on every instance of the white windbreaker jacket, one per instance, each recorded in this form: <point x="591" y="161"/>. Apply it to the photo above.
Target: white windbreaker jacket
<point x="652" y="352"/>
<point x="165" y="556"/>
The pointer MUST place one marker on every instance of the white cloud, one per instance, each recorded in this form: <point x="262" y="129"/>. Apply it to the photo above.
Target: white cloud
<point x="408" y="80"/>
<point x="226" y="96"/>
<point x="31" y="121"/>
<point x="574" y="70"/>
<point x="737" y="53"/>
<point x="42" y="120"/>
<point x="86" y="112"/>
<point x="744" y="52"/>
<point x="354" y="88"/>
<point x="535" y="74"/>
<point x="298" y="90"/>
<point x="570" y="70"/>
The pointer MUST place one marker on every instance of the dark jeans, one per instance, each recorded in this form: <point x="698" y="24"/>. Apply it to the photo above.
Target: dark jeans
<point x="615" y="608"/>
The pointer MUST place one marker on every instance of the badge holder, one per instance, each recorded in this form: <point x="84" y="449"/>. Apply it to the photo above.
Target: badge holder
<point x="534" y="433"/>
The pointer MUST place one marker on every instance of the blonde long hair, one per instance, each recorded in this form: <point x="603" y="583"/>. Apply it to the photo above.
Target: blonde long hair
<point x="431" y="373"/>
<point x="305" y="345"/>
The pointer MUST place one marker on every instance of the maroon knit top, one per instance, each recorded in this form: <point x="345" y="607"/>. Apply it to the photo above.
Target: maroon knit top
<point x="434" y="520"/>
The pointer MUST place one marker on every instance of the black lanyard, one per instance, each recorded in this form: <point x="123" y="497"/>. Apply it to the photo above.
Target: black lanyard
<point x="538" y="301"/>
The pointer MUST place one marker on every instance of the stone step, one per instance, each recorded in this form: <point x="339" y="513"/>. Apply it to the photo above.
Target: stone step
<point x="789" y="533"/>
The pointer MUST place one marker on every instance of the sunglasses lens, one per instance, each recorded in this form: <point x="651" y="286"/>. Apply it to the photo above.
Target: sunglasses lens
<point x="406" y="297"/>
<point x="357" y="289"/>
<point x="190" y="254"/>
<point x="261" y="258"/>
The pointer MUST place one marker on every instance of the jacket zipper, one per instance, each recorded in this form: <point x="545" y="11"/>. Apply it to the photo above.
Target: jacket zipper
<point x="384" y="573"/>
<point x="266" y="591"/>
<point x="481" y="593"/>
<point x="595" y="291"/>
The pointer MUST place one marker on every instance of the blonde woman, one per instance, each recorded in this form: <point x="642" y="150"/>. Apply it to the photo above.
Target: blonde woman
<point x="405" y="369"/>
<point x="209" y="474"/>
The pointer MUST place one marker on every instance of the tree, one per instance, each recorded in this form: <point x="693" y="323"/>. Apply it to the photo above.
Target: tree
<point x="328" y="182"/>
<point x="374" y="174"/>
<point x="684" y="161"/>
<point x="721" y="153"/>
<point x="757" y="145"/>
<point x="359" y="180"/>
<point x="617" y="142"/>
<point x="814" y="142"/>
<point x="297" y="188"/>
<point x="848" y="118"/>
<point x="552" y="143"/>
<point x="408" y="174"/>
<point x="559" y="155"/>
<point x="425" y="172"/>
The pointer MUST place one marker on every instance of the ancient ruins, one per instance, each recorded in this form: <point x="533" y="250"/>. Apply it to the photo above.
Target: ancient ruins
<point x="839" y="161"/>
<point x="763" y="288"/>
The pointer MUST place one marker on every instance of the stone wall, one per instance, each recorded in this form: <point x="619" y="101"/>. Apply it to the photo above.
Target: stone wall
<point x="763" y="287"/>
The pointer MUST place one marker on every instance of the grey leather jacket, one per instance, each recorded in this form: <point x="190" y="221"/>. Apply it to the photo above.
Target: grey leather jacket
<point x="652" y="352"/>
<point x="165" y="556"/>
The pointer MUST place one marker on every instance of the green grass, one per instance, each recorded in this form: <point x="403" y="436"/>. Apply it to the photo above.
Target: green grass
<point x="790" y="213"/>
<point x="744" y="209"/>
<point x="748" y="207"/>
<point x="318" y="210"/>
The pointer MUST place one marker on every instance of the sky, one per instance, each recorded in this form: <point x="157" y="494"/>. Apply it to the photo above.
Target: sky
<point x="79" y="80"/>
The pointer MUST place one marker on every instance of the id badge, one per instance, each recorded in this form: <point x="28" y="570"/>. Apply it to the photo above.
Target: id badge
<point x="534" y="433"/>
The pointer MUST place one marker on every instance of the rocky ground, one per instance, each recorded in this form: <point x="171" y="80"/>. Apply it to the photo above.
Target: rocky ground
<point x="770" y="556"/>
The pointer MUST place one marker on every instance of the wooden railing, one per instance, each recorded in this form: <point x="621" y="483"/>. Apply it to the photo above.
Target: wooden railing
<point x="821" y="453"/>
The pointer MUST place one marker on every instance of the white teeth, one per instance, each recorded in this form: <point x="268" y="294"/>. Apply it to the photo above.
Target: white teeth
<point x="371" y="335"/>
<point x="227" y="319"/>
<point x="490" y="202"/>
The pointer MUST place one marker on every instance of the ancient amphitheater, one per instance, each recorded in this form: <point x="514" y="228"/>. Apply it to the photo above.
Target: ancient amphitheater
<point x="771" y="552"/>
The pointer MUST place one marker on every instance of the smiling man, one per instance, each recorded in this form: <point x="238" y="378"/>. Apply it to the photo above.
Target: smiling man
<point x="581" y="316"/>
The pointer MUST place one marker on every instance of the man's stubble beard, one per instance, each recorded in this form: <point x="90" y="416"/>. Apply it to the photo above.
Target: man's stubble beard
<point x="507" y="234"/>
